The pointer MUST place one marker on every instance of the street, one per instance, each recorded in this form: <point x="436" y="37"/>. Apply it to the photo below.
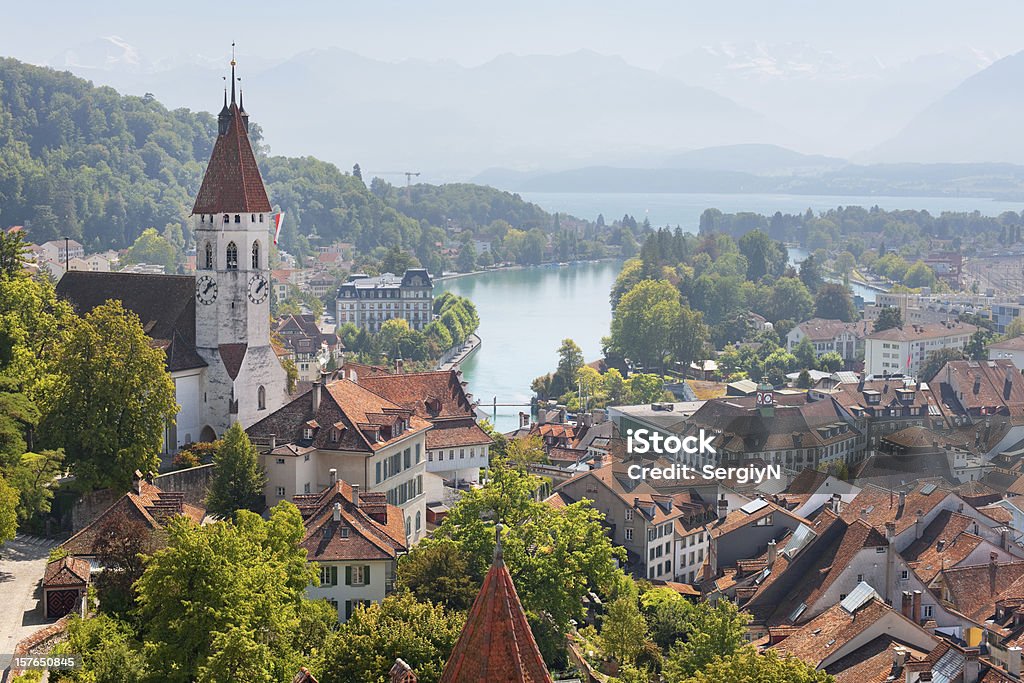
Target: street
<point x="22" y="563"/>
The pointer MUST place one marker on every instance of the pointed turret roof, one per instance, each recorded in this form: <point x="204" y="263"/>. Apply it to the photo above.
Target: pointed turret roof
<point x="232" y="183"/>
<point x="496" y="644"/>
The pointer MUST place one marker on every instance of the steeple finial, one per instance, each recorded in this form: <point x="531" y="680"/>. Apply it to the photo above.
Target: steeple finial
<point x="233" y="63"/>
<point x="499" y="553"/>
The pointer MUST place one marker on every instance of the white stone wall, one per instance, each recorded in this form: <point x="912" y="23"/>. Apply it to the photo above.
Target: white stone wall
<point x="374" y="590"/>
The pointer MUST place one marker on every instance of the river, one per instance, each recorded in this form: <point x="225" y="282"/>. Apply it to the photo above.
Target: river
<point x="525" y="314"/>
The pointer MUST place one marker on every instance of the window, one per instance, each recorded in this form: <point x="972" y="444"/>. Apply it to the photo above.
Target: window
<point x="629" y="514"/>
<point x="328" y="576"/>
<point x="305" y="489"/>
<point x="406" y="458"/>
<point x="357" y="576"/>
<point x="280" y="492"/>
<point x="928" y="611"/>
<point x="232" y="259"/>
<point x="418" y="520"/>
<point x="417" y="453"/>
<point x="261" y="398"/>
<point x="378" y="473"/>
<point x="209" y="256"/>
<point x="238" y="218"/>
<point x="261" y="218"/>
<point x="462" y="453"/>
<point x="226" y="219"/>
<point x="430" y="455"/>
<point x="256" y="255"/>
<point x="305" y="458"/>
<point x="860" y="577"/>
<point x="280" y="461"/>
<point x="629" y="534"/>
<point x="905" y="574"/>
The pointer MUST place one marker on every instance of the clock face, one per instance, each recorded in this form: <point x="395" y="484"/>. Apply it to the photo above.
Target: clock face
<point x="259" y="289"/>
<point x="206" y="289"/>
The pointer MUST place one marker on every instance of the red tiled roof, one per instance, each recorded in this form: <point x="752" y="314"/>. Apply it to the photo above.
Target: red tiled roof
<point x="67" y="571"/>
<point x="925" y="331"/>
<point x="946" y="542"/>
<point x="232" y="183"/>
<point x="496" y="644"/>
<point x="356" y="535"/>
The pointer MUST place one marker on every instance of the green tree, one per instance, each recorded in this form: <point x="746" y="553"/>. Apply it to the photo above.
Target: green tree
<point x="764" y="255"/>
<point x="806" y="356"/>
<point x="713" y="632"/>
<point x="238" y="478"/>
<point x="642" y="323"/>
<point x="668" y="615"/>
<point x="570" y="360"/>
<point x="645" y="388"/>
<point x="466" y="260"/>
<point x="811" y="275"/>
<point x="111" y="399"/>
<point x="1015" y="328"/>
<point x="746" y="665"/>
<point x="35" y="478"/>
<point x="109" y="650"/>
<point x="12" y="253"/>
<point x="153" y="248"/>
<point x="804" y="380"/>
<point x="977" y="347"/>
<point x="830" y="362"/>
<point x="614" y="386"/>
<point x="365" y="647"/>
<point x="8" y="511"/>
<point x="689" y="337"/>
<point x="210" y="580"/>
<point x="525" y="451"/>
<point x="789" y="299"/>
<point x="919" y="275"/>
<point x="833" y="302"/>
<point x="438" y="573"/>
<point x="624" y="629"/>
<point x="888" y="318"/>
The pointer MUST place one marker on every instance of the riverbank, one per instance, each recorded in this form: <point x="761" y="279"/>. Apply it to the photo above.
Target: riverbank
<point x="469" y="347"/>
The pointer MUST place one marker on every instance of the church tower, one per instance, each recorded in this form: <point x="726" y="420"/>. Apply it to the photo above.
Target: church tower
<point x="232" y="226"/>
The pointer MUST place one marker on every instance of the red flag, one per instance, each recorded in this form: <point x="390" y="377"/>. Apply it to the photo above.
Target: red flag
<point x="278" y="219"/>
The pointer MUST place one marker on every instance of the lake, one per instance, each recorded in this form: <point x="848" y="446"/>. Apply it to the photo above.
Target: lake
<point x="525" y="314"/>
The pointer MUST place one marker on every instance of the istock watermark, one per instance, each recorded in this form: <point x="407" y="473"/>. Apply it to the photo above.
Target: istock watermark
<point x="651" y="442"/>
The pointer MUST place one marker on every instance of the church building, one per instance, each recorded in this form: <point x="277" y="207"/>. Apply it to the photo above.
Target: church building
<point x="215" y="325"/>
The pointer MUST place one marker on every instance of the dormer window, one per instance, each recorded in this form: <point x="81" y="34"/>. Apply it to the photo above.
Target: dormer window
<point x="307" y="433"/>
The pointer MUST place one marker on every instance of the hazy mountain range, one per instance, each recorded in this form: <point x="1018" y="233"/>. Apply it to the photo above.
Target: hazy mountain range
<point x="540" y="115"/>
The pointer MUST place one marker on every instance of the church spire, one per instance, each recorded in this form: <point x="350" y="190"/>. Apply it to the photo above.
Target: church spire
<point x="233" y="63"/>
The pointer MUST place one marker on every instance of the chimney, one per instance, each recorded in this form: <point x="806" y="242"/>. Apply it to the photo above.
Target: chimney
<point x="899" y="657"/>
<point x="399" y="366"/>
<point x="334" y="475"/>
<point x="837" y="503"/>
<point x="772" y="552"/>
<point x="917" y="607"/>
<point x="336" y="515"/>
<point x="355" y="494"/>
<point x="1004" y="539"/>
<point x="906" y="604"/>
<point x="903" y="499"/>
<point x="925" y="677"/>
<point x="316" y="397"/>
<point x="1013" y="661"/>
<point x="918" y="525"/>
<point x="273" y="441"/>
<point x="993" y="567"/>
<point x="723" y="508"/>
<point x="137" y="482"/>
<point x="890" y="531"/>
<point x="972" y="666"/>
<point x="588" y="419"/>
<point x="542" y="415"/>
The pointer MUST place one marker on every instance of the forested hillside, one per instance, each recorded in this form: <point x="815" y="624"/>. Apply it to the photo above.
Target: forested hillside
<point x="94" y="165"/>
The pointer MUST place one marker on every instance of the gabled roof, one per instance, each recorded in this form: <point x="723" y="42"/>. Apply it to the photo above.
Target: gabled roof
<point x="431" y="395"/>
<point x="373" y="529"/>
<point x="150" y="506"/>
<point x="496" y="644"/>
<point x="67" y="571"/>
<point x="232" y="183"/>
<point x="877" y="505"/>
<point x="165" y="304"/>
<point x="974" y="590"/>
<point x="919" y="332"/>
<point x="946" y="542"/>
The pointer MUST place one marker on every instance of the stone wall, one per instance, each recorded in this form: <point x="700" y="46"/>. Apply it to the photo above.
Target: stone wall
<point x="193" y="482"/>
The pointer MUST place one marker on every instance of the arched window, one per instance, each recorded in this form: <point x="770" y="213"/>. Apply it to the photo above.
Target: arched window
<point x="419" y="520"/>
<point x="238" y="218"/>
<point x="256" y="255"/>
<point x="202" y="218"/>
<point x="227" y="219"/>
<point x="252" y="219"/>
<point x="209" y="256"/>
<point x="232" y="259"/>
<point x="261" y="398"/>
<point x="261" y="218"/>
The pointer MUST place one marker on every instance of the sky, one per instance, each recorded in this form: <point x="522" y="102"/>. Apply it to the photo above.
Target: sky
<point x="645" y="33"/>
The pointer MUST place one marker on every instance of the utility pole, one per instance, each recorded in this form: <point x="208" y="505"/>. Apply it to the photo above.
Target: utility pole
<point x="408" y="183"/>
<point x="66" y="241"/>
